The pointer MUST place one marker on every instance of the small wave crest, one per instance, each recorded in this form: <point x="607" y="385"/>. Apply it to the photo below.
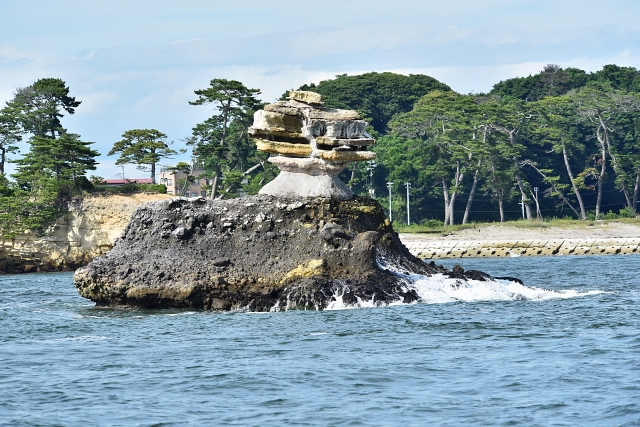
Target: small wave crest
<point x="441" y="289"/>
<point x="79" y="338"/>
<point x="337" y="301"/>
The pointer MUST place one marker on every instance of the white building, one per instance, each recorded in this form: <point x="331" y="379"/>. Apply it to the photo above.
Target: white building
<point x="177" y="182"/>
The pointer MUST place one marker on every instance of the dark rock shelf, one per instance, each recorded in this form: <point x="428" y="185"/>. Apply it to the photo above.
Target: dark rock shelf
<point x="257" y="253"/>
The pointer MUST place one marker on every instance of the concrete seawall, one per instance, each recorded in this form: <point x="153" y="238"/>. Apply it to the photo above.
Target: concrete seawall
<point x="485" y="248"/>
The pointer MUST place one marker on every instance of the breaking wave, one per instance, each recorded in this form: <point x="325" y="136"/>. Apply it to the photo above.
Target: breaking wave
<point x="439" y="288"/>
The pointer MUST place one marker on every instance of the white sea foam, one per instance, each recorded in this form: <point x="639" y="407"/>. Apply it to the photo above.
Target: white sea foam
<point x="438" y="288"/>
<point x="441" y="289"/>
<point x="339" y="304"/>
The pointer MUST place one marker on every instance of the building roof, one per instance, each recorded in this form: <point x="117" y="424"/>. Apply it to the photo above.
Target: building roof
<point x="127" y="181"/>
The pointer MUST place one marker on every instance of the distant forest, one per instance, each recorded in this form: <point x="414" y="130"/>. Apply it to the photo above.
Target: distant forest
<point x="564" y="137"/>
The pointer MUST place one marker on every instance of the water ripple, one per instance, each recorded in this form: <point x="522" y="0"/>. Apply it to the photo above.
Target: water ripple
<point x="468" y="360"/>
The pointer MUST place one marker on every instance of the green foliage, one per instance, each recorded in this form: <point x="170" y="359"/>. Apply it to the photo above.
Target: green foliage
<point x="627" y="212"/>
<point x="10" y="134"/>
<point x="53" y="169"/>
<point x="555" y="81"/>
<point x="573" y="135"/>
<point x="448" y="138"/>
<point x="65" y="158"/>
<point x="232" y="184"/>
<point x="432" y="223"/>
<point x="83" y="184"/>
<point x="182" y="183"/>
<point x="577" y="140"/>
<point x="623" y="213"/>
<point x="551" y="81"/>
<point x="377" y="96"/>
<point x="39" y="106"/>
<point x="54" y="153"/>
<point x="21" y="211"/>
<point x="181" y="167"/>
<point x="620" y="78"/>
<point x="256" y="181"/>
<point x="131" y="188"/>
<point x="221" y="143"/>
<point x="144" y="147"/>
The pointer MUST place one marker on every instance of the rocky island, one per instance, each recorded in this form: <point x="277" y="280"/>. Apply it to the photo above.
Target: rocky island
<point x="305" y="242"/>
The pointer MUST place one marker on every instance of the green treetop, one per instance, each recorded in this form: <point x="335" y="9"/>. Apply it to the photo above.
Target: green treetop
<point x="65" y="158"/>
<point x="222" y="142"/>
<point x="39" y="106"/>
<point x="144" y="147"/>
<point x="377" y="96"/>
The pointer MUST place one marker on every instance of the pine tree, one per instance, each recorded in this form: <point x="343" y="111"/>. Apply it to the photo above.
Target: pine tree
<point x="144" y="147"/>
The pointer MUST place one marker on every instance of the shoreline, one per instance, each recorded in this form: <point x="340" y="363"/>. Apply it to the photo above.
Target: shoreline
<point x="507" y="240"/>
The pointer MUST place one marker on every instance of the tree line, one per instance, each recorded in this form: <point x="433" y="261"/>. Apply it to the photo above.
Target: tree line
<point x="572" y="135"/>
<point x="57" y="161"/>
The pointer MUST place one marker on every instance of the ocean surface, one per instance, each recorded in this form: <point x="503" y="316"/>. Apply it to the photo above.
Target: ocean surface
<point x="562" y="350"/>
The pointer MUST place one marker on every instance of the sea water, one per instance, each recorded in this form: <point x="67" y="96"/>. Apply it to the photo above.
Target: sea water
<point x="562" y="349"/>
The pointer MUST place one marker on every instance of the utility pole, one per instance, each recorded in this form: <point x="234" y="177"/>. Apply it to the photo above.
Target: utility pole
<point x="535" y="189"/>
<point x="390" y="186"/>
<point x="370" y="167"/>
<point x="408" y="185"/>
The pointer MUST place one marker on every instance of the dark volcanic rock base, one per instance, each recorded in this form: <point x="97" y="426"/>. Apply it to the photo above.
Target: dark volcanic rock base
<point x="257" y="253"/>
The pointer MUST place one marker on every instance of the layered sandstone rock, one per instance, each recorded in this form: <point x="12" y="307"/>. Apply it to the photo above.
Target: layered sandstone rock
<point x="311" y="145"/>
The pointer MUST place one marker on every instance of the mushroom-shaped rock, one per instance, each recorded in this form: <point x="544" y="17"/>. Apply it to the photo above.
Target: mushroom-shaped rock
<point x="310" y="145"/>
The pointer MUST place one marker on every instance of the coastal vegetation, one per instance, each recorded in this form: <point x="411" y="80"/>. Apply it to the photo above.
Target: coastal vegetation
<point x="377" y="96"/>
<point x="561" y="143"/>
<point x="145" y="148"/>
<point x="437" y="227"/>
<point x="222" y="144"/>
<point x="54" y="167"/>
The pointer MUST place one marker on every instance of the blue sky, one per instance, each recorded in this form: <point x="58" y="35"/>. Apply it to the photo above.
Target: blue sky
<point x="135" y="64"/>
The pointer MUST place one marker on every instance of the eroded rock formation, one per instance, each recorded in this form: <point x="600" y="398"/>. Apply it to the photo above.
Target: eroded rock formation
<point x="303" y="243"/>
<point x="86" y="231"/>
<point x="258" y="253"/>
<point x="311" y="145"/>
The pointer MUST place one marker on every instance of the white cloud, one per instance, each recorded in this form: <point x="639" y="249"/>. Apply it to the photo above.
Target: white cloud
<point x="139" y="68"/>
